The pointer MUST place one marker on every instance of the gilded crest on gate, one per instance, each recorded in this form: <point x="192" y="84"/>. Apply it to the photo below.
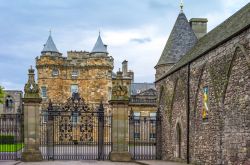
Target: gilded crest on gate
<point x="77" y="104"/>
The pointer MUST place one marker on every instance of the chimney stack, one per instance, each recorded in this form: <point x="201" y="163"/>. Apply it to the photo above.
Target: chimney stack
<point x="124" y="68"/>
<point x="199" y="26"/>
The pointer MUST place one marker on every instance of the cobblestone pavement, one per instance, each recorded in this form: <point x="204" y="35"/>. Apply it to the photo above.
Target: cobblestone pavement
<point x="90" y="162"/>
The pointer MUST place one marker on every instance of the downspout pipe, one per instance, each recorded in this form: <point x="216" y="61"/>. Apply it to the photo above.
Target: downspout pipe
<point x="188" y="113"/>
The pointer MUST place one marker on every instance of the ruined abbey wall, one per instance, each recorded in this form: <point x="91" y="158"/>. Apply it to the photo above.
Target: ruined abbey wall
<point x="219" y="104"/>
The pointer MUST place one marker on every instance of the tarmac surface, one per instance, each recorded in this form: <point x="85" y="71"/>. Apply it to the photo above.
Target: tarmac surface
<point x="90" y="162"/>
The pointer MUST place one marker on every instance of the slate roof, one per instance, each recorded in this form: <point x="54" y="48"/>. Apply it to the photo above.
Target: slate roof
<point x="50" y="46"/>
<point x="99" y="46"/>
<point x="148" y="92"/>
<point x="226" y="30"/>
<point x="137" y="88"/>
<point x="181" y="39"/>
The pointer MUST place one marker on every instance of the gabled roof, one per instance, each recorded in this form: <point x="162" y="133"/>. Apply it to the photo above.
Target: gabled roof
<point x="137" y="88"/>
<point x="180" y="40"/>
<point x="226" y="30"/>
<point x="148" y="92"/>
<point x="99" y="46"/>
<point x="50" y="46"/>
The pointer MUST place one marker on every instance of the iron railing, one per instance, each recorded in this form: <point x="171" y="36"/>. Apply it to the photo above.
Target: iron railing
<point x="143" y="136"/>
<point x="11" y="136"/>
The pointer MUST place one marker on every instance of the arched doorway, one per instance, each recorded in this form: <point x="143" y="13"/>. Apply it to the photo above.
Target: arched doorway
<point x="178" y="140"/>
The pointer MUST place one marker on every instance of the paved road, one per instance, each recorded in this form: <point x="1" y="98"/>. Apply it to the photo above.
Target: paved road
<point x="90" y="162"/>
<point x="83" y="162"/>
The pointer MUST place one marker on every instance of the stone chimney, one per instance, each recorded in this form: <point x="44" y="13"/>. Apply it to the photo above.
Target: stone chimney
<point x="131" y="75"/>
<point x="119" y="74"/>
<point x="199" y="26"/>
<point x="124" y="68"/>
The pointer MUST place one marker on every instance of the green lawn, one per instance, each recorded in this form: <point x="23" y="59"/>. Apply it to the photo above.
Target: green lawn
<point x="11" y="147"/>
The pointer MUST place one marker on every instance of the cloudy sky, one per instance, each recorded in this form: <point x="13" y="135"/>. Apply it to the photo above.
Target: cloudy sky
<point x="135" y="30"/>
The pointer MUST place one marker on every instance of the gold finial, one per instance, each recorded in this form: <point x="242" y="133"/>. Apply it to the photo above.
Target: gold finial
<point x="50" y="32"/>
<point x="181" y="5"/>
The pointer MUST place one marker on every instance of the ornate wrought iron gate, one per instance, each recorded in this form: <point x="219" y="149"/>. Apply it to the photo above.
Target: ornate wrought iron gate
<point x="75" y="131"/>
<point x="144" y="136"/>
<point x="11" y="136"/>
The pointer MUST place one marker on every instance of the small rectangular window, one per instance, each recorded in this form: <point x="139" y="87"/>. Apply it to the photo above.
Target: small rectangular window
<point x="74" y="73"/>
<point x="152" y="135"/>
<point x="152" y="117"/>
<point x="74" y="88"/>
<point x="55" y="72"/>
<point x="137" y="135"/>
<point x="137" y="117"/>
<point x="44" y="92"/>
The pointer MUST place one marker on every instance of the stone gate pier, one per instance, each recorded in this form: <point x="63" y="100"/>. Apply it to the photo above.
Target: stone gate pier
<point x="119" y="103"/>
<point x="31" y="120"/>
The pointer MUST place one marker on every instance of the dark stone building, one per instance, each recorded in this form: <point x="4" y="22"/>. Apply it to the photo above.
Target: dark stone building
<point x="12" y="102"/>
<point x="204" y="91"/>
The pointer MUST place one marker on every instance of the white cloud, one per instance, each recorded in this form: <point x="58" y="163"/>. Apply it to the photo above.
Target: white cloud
<point x="8" y="85"/>
<point x="142" y="57"/>
<point x="233" y="4"/>
<point x="228" y="8"/>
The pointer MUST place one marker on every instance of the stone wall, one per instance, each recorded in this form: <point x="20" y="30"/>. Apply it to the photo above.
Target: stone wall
<point x="162" y="69"/>
<point x="224" y="137"/>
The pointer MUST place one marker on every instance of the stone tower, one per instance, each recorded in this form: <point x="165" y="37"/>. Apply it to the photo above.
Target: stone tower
<point x="180" y="40"/>
<point x="88" y="73"/>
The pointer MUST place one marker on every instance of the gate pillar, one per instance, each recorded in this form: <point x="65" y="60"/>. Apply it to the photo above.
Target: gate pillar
<point x="32" y="102"/>
<point x="119" y="104"/>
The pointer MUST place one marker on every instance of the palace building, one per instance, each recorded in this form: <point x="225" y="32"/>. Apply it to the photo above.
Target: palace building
<point x="90" y="74"/>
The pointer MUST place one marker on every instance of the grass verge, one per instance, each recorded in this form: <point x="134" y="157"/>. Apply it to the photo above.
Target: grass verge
<point x="11" y="147"/>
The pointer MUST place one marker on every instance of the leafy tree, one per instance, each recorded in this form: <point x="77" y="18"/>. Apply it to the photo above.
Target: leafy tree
<point x="1" y="95"/>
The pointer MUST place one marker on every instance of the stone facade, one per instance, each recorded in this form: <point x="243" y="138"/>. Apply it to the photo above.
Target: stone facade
<point x="91" y="73"/>
<point x="161" y="70"/>
<point x="216" y="69"/>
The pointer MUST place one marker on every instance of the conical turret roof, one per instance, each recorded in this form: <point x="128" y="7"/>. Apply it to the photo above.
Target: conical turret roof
<point x="181" y="39"/>
<point x="99" y="46"/>
<point x="50" y="46"/>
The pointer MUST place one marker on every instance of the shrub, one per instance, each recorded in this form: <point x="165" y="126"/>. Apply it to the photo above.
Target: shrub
<point x="7" y="139"/>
